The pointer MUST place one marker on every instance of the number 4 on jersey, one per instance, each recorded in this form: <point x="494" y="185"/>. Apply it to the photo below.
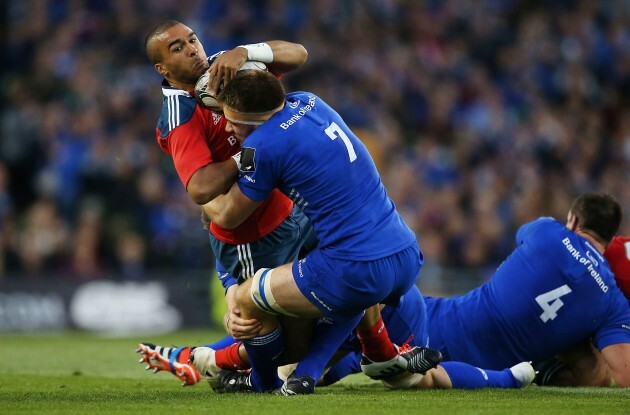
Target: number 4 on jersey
<point x="550" y="302"/>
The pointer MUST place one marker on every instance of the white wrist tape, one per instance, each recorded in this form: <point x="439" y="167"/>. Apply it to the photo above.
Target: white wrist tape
<point x="260" y="52"/>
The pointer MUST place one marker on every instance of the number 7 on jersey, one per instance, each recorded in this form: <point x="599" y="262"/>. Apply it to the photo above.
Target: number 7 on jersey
<point x="333" y="130"/>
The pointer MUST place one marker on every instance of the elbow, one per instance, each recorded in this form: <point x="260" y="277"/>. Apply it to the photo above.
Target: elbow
<point x="199" y="194"/>
<point x="303" y="55"/>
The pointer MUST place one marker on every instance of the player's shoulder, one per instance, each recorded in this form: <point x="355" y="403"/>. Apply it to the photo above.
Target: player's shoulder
<point x="300" y="99"/>
<point x="543" y="224"/>
<point x="178" y="107"/>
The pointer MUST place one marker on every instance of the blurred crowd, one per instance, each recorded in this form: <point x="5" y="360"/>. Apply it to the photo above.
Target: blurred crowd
<point x="480" y="114"/>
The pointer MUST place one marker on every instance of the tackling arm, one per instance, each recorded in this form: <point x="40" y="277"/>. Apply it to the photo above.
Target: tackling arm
<point x="211" y="180"/>
<point x="287" y="56"/>
<point x="230" y="210"/>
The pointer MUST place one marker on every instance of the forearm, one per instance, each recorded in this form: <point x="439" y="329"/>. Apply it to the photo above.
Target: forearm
<point x="287" y="56"/>
<point x="211" y="181"/>
<point x="231" y="209"/>
<point x="213" y="208"/>
<point x="231" y="303"/>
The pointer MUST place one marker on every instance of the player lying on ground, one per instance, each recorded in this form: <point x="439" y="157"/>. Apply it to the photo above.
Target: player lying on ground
<point x="555" y="295"/>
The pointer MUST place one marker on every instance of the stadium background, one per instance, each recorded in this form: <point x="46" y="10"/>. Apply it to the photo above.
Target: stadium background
<point x="480" y="114"/>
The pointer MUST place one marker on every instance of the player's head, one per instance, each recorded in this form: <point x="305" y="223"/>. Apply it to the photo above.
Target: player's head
<point x="250" y="99"/>
<point x="596" y="213"/>
<point x="176" y="53"/>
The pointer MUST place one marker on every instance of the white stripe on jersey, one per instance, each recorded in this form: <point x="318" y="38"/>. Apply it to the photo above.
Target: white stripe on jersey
<point x="170" y="111"/>
<point x="173" y="109"/>
<point x="177" y="120"/>
<point x="172" y="103"/>
<point x="246" y="260"/>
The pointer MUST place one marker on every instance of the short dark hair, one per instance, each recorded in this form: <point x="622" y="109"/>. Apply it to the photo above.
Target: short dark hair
<point x="598" y="212"/>
<point x="149" y="46"/>
<point x="253" y="91"/>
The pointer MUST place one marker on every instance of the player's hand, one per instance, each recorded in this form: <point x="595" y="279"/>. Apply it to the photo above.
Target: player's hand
<point x="241" y="328"/>
<point x="224" y="68"/>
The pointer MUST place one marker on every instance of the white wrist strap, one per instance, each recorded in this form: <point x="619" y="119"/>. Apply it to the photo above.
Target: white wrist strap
<point x="260" y="52"/>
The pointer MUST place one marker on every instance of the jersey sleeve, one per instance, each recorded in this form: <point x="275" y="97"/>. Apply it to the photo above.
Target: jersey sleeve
<point x="227" y="280"/>
<point x="256" y="178"/>
<point x="189" y="149"/>
<point x="617" y="329"/>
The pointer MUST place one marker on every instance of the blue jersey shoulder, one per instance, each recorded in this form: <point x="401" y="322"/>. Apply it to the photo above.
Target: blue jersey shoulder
<point x="178" y="108"/>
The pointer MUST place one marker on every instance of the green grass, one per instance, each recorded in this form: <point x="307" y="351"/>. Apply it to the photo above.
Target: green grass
<point x="86" y="374"/>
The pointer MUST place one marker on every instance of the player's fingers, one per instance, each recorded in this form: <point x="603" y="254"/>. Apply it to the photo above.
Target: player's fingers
<point x="237" y="323"/>
<point x="228" y="76"/>
<point x="240" y="333"/>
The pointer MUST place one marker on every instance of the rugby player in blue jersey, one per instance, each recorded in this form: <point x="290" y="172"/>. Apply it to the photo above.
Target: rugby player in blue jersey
<point x="555" y="295"/>
<point x="202" y="151"/>
<point x="366" y="254"/>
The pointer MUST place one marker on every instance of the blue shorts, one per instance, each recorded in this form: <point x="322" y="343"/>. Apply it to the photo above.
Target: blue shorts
<point x="406" y="323"/>
<point x="292" y="239"/>
<point x="433" y="306"/>
<point x="341" y="288"/>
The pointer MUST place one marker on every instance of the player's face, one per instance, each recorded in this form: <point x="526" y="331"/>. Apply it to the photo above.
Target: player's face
<point x="240" y="131"/>
<point x="241" y="125"/>
<point x="183" y="56"/>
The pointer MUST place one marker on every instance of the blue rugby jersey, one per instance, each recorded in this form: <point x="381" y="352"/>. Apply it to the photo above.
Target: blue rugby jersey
<point x="308" y="152"/>
<point x="554" y="291"/>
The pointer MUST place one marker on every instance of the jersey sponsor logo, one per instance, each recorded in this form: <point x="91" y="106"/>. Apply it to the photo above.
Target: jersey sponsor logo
<point x="588" y="263"/>
<point x="216" y="118"/>
<point x="593" y="260"/>
<point x="300" y="113"/>
<point x="248" y="162"/>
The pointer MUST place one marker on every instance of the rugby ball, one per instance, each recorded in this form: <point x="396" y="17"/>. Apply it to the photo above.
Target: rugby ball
<point x="210" y="101"/>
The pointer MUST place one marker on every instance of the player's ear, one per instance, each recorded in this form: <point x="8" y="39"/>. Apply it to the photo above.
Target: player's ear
<point x="573" y="222"/>
<point x="161" y="69"/>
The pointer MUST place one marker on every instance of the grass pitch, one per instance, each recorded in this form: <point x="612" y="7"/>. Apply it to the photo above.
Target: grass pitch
<point x="78" y="373"/>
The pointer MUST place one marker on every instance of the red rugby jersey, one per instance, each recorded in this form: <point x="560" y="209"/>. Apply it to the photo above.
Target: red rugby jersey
<point x="195" y="137"/>
<point x="618" y="256"/>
